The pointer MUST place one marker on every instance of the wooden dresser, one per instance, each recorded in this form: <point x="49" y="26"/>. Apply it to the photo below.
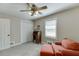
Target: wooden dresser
<point x="37" y="36"/>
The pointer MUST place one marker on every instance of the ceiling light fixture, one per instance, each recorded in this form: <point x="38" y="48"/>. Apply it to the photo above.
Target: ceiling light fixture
<point x="34" y="9"/>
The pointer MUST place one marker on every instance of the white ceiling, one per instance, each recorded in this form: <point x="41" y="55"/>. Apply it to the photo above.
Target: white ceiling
<point x="13" y="9"/>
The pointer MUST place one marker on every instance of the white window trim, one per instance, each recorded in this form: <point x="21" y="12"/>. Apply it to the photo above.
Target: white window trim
<point x="56" y="29"/>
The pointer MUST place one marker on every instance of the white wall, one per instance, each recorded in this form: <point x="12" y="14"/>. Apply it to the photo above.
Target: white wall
<point x="67" y="24"/>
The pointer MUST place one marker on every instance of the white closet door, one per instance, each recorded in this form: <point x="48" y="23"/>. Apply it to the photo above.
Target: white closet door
<point x="4" y="34"/>
<point x="0" y="35"/>
<point x="26" y="31"/>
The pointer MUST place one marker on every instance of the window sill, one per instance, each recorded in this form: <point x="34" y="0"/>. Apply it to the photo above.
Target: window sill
<point x="50" y="37"/>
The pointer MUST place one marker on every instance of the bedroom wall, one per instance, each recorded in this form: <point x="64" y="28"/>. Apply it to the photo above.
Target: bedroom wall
<point x="67" y="24"/>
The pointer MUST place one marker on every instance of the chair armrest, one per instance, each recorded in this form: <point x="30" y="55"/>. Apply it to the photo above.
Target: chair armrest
<point x="58" y="43"/>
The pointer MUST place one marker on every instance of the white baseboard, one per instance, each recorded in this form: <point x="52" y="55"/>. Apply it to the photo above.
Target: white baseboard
<point x="16" y="44"/>
<point x="10" y="46"/>
<point x="26" y="42"/>
<point x="19" y="43"/>
<point x="4" y="48"/>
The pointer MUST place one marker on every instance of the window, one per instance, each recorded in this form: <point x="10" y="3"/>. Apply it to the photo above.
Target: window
<point x="50" y="29"/>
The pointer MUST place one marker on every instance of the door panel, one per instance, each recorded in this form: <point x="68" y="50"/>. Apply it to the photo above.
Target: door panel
<point x="0" y="35"/>
<point x="4" y="31"/>
<point x="26" y="31"/>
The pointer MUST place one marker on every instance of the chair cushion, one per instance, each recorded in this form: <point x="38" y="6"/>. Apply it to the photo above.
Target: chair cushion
<point x="70" y="44"/>
<point x="70" y="52"/>
<point x="46" y="50"/>
<point x="57" y="49"/>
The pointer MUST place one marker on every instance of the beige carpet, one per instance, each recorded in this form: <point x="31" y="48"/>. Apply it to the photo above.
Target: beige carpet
<point x="26" y="49"/>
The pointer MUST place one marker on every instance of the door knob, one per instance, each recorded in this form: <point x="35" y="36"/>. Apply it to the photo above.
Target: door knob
<point x="8" y="34"/>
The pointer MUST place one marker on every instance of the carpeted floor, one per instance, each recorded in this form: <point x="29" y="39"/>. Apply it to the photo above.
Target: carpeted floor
<point x="26" y="49"/>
